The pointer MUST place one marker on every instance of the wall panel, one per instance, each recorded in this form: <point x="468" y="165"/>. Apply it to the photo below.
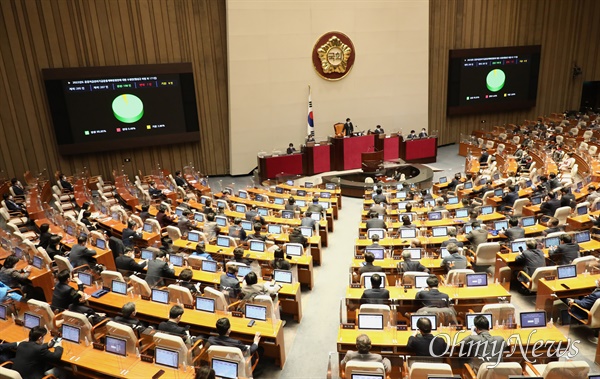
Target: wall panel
<point x="568" y="31"/>
<point x="82" y="33"/>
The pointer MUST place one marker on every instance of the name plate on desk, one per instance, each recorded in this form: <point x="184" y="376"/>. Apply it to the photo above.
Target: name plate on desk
<point x="196" y="268"/>
<point x="397" y="257"/>
<point x="147" y="358"/>
<point x="348" y="326"/>
<point x="358" y="256"/>
<point x="550" y="277"/>
<point x="98" y="346"/>
<point x="458" y="327"/>
<point x="18" y="322"/>
<point x="407" y="286"/>
<point x="145" y="297"/>
<point x="510" y="326"/>
<point x="237" y="314"/>
<point x="401" y="327"/>
<point x="188" y="306"/>
<point x="354" y="285"/>
<point x="461" y="285"/>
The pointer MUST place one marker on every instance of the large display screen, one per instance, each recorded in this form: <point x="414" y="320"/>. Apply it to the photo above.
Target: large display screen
<point x="108" y="108"/>
<point x="493" y="79"/>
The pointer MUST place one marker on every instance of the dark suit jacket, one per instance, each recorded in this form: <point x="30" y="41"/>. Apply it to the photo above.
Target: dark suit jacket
<point x="549" y="207"/>
<point x="586" y="303"/>
<point x="164" y="220"/>
<point x="12" y="206"/>
<point x="376" y="223"/>
<point x="452" y="240"/>
<point x="458" y="261"/>
<point x="566" y="253"/>
<point x="531" y="259"/>
<point x="173" y="328"/>
<point x="133" y="322"/>
<point x="514" y="233"/>
<point x="157" y="270"/>
<point x="18" y="191"/>
<point x="485" y="352"/>
<point x="124" y="262"/>
<point x="32" y="360"/>
<point x="433" y="298"/>
<point x="567" y="199"/>
<point x="348" y="128"/>
<point x="420" y="345"/>
<point x="477" y="237"/>
<point x="231" y="342"/>
<point x="484" y="157"/>
<point x="375" y="295"/>
<point x="81" y="255"/>
<point x="128" y="237"/>
<point x="554" y="183"/>
<point x="408" y="265"/>
<point x="180" y="181"/>
<point x="44" y="240"/>
<point x="66" y="185"/>
<point x="370" y="267"/>
<point x="509" y="198"/>
<point x="63" y="296"/>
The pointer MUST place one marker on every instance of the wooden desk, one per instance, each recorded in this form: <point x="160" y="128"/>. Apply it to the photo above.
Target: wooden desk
<point x="91" y="363"/>
<point x="390" y="266"/>
<point x="200" y="322"/>
<point x="305" y="262"/>
<point x="104" y="257"/>
<point x="580" y="286"/>
<point x="308" y="199"/>
<point x="42" y="278"/>
<point x="116" y="228"/>
<point x="34" y="200"/>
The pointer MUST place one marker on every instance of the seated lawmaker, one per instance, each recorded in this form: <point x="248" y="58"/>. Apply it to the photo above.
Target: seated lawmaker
<point x="431" y="296"/>
<point x="223" y="329"/>
<point x="13" y="206"/>
<point x="532" y="258"/>
<point x="126" y="262"/>
<point x="33" y="358"/>
<point x="483" y="347"/>
<point x="551" y="204"/>
<point x="172" y="326"/>
<point x="514" y="231"/>
<point x="80" y="255"/>
<point x="368" y="266"/>
<point x="163" y="217"/>
<point x="279" y="262"/>
<point x="127" y="317"/>
<point x="375" y="294"/>
<point x="378" y="130"/>
<point x="64" y="295"/>
<point x="408" y="264"/>
<point x="423" y="133"/>
<point x="65" y="184"/>
<point x="130" y="235"/>
<point x="17" y="187"/>
<point x="179" y="180"/>
<point x="154" y="192"/>
<point x="375" y="222"/>
<point x="423" y="344"/>
<point x="236" y="230"/>
<point x="586" y="302"/>
<point x="363" y="345"/>
<point x="564" y="253"/>
<point x="452" y="238"/>
<point x="290" y="149"/>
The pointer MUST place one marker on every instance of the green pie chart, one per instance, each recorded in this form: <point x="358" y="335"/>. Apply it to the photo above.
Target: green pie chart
<point x="495" y="80"/>
<point x="128" y="108"/>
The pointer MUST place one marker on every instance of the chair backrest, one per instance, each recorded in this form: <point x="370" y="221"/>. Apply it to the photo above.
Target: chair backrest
<point x="138" y="221"/>
<point x="540" y="273"/>
<point x="595" y="315"/>
<point x="583" y="263"/>
<point x="458" y="275"/>
<point x="6" y="373"/>
<point x="486" y="253"/>
<point x="172" y="342"/>
<point x="566" y="370"/>
<point x="363" y="367"/>
<point x="500" y="312"/>
<point x="501" y="371"/>
<point x="62" y="263"/>
<point x="562" y="214"/>
<point x="338" y="129"/>
<point x="108" y="276"/>
<point x="593" y="150"/>
<point x="421" y="370"/>
<point x="231" y="354"/>
<point x="80" y="320"/>
<point x="232" y="242"/>
<point x="42" y="309"/>
<point x="559" y="139"/>
<point x="124" y="331"/>
<point x="155" y="225"/>
<point x="380" y="309"/>
<point x="174" y="233"/>
<point x="140" y="286"/>
<point x="218" y="296"/>
<point x="266" y="301"/>
<point x="489" y="144"/>
<point x="179" y="294"/>
<point x="518" y="206"/>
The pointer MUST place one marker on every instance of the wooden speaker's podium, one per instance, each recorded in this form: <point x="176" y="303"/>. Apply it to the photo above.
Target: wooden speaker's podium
<point x="420" y="150"/>
<point x="372" y="161"/>
<point x="347" y="151"/>
<point x="317" y="157"/>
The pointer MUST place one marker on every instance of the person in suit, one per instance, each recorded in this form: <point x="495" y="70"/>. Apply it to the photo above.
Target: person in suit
<point x="81" y="255"/>
<point x="45" y="236"/>
<point x="172" y="326"/>
<point x="63" y="294"/>
<point x="53" y="248"/>
<point x="185" y="280"/>
<point x="179" y="180"/>
<point x="593" y="192"/>
<point x="439" y="205"/>
<point x="12" y="277"/>
<point x="552" y="227"/>
<point x="377" y="207"/>
<point x="476" y="236"/>
<point x="184" y="224"/>
<point x="375" y="222"/>
<point x="290" y="149"/>
<point x="379" y="196"/>
<point x="230" y="283"/>
<point x="316" y="207"/>
<point x="409" y="265"/>
<point x="484" y="156"/>
<point x="586" y="302"/>
<point x="253" y="288"/>
<point x="551" y="204"/>
<point x="154" y="192"/>
<point x="291" y="205"/>
<point x="223" y="329"/>
<point x="34" y="357"/>
<point x="126" y="262"/>
<point x="374" y="242"/>
<point x="85" y="220"/>
<point x="378" y="130"/>
<point x="431" y="296"/>
<point x="567" y="199"/>
<point x="158" y="268"/>
<point x="236" y="230"/>
<point x="368" y="266"/>
<point x="279" y="262"/>
<point x="308" y="221"/>
<point x="129" y="234"/>
<point x="65" y="184"/>
<point x="163" y="218"/>
<point x="564" y="253"/>
<point x="455" y="259"/>
<point x="509" y="198"/>
<point x="482" y="346"/>
<point x="554" y="181"/>
<point x="363" y="347"/>
<point x="348" y="128"/>
<point x="296" y="236"/>
<point x="411" y="135"/>
<point x="423" y="343"/>
<point x="532" y="258"/>
<point x="423" y="133"/>
<point x="13" y="206"/>
<point x="205" y="372"/>
<point x="452" y="238"/>
<point x="7" y="351"/>
<point x="145" y="214"/>
<point x="454" y="182"/>
<point x="17" y="187"/>
<point x="514" y="231"/>
<point x="375" y="294"/>
<point x="127" y="317"/>
<point x="210" y="228"/>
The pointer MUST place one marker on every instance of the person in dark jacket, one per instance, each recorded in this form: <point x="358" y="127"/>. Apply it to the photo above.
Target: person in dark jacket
<point x="409" y="265"/>
<point x="34" y="358"/>
<point x="586" y="302"/>
<point x="566" y="251"/>
<point x="130" y="235"/>
<point x="224" y="328"/>
<point x="423" y="344"/>
<point x="532" y="258"/>
<point x="45" y="236"/>
<point x="126" y="262"/>
<point x="64" y="295"/>
<point x="54" y="247"/>
<point x="185" y="280"/>
<point x="158" y="268"/>
<point x="432" y="297"/>
<point x="81" y="255"/>
<point x="368" y="266"/>
<point x="567" y="199"/>
<point x="279" y="262"/>
<point x="172" y="324"/>
<point x="127" y="317"/>
<point x="375" y="294"/>
<point x="296" y="236"/>
<point x="514" y="231"/>
<point x="551" y="204"/>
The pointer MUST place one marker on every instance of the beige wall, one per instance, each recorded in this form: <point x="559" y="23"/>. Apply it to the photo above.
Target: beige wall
<point x="270" y="67"/>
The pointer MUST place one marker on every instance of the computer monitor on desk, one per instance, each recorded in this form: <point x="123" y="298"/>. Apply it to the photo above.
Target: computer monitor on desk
<point x="566" y="272"/>
<point x="370" y="321"/>
<point x="462" y="212"/>
<point x="71" y="333"/>
<point x="528" y="221"/>
<point x="533" y="319"/>
<point x="209" y="266"/>
<point x="477" y="280"/>
<point x="116" y="345"/>
<point x="415" y="253"/>
<point x="255" y="312"/>
<point x="119" y="287"/>
<point x="160" y="296"/>
<point x="415" y="318"/>
<point x="468" y="185"/>
<point x="166" y="357"/>
<point x="375" y="232"/>
<point x="379" y="253"/>
<point x="470" y="319"/>
<point x="551" y="242"/>
<point x="487" y="210"/>
<point x="30" y="320"/>
<point x="518" y="246"/>
<point x="3" y="312"/>
<point x="421" y="281"/>
<point x="225" y="369"/>
<point x="408" y="233"/>
<point x="205" y="304"/>
<point x="440" y="231"/>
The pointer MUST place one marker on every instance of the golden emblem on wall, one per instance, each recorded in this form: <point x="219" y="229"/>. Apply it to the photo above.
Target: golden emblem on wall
<point x="333" y="55"/>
